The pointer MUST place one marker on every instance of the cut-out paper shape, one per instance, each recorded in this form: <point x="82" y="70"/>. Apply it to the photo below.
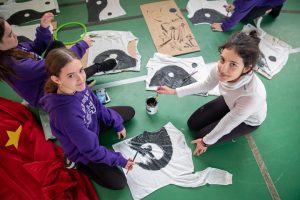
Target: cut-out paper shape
<point x="99" y="10"/>
<point x="121" y="45"/>
<point x="22" y="12"/>
<point x="274" y="52"/>
<point x="169" y="30"/>
<point x="164" y="158"/>
<point x="207" y="12"/>
<point x="176" y="72"/>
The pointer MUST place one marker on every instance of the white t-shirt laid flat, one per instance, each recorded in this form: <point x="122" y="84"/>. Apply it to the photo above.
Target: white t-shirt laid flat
<point x="164" y="158"/>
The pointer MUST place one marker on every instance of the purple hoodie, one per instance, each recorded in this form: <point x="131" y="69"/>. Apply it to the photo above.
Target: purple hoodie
<point x="243" y="7"/>
<point x="74" y="120"/>
<point x="30" y="73"/>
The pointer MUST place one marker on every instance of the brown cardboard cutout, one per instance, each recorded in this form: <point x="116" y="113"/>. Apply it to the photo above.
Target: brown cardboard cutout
<point x="169" y="30"/>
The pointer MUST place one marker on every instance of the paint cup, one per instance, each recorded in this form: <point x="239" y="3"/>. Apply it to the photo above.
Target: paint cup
<point x="151" y="105"/>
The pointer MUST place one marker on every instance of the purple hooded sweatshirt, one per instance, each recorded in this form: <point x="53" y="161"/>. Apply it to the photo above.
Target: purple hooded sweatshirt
<point x="243" y="7"/>
<point x="74" y="120"/>
<point x="30" y="73"/>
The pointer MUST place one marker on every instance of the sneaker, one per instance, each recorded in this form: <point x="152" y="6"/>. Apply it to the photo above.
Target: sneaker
<point x="90" y="82"/>
<point x="107" y="65"/>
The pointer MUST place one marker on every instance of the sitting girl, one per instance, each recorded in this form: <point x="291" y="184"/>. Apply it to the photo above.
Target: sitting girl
<point x="77" y="117"/>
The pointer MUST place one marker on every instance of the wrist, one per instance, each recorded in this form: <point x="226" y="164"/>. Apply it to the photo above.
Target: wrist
<point x="204" y="144"/>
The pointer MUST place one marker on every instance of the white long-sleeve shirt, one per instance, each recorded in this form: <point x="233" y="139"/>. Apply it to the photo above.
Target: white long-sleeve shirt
<point x="246" y="99"/>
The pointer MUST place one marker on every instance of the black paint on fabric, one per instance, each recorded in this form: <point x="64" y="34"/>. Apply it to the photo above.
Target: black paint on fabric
<point x="143" y="144"/>
<point x="206" y="15"/>
<point x="124" y="61"/>
<point x="94" y="8"/>
<point x="19" y="17"/>
<point x="272" y="58"/>
<point x="172" y="76"/>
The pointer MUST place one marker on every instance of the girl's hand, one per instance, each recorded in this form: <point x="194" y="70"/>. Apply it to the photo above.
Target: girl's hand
<point x="229" y="7"/>
<point x="216" y="27"/>
<point x="200" y="148"/>
<point x="88" y="40"/>
<point x="129" y="165"/>
<point x="46" y="19"/>
<point x="165" y="90"/>
<point x="122" y="134"/>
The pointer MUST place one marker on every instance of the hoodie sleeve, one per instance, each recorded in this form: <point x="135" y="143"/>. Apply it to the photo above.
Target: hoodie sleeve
<point x="242" y="8"/>
<point x="86" y="141"/>
<point x="41" y="42"/>
<point x="80" y="48"/>
<point x="110" y="117"/>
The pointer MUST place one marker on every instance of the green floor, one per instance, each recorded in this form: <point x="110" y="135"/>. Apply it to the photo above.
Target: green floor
<point x="276" y="140"/>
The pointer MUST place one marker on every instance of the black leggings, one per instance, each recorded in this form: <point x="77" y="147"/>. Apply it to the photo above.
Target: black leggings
<point x="109" y="177"/>
<point x="89" y="71"/>
<point x="260" y="11"/>
<point x="205" y="119"/>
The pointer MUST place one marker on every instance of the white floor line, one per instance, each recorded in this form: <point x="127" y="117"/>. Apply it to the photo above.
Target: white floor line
<point x="120" y="82"/>
<point x="263" y="169"/>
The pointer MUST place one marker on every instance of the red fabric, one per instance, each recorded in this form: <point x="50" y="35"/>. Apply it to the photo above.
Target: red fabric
<point x="30" y="166"/>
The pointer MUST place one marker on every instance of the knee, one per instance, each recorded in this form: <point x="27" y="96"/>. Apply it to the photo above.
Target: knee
<point x="192" y="124"/>
<point x="120" y="185"/>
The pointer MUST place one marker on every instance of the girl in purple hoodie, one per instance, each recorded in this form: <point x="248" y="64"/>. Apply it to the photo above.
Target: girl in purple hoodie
<point x="21" y="64"/>
<point x="77" y="117"/>
<point x="247" y="10"/>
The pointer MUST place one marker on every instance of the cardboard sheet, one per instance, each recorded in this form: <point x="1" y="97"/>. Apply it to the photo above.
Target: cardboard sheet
<point x="169" y="30"/>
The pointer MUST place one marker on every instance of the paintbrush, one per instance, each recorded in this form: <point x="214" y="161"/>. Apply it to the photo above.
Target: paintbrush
<point x="133" y="160"/>
<point x="185" y="79"/>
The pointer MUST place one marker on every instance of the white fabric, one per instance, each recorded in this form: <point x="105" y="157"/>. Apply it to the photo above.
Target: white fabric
<point x="28" y="31"/>
<point x="113" y="7"/>
<point x="270" y="46"/>
<point x="10" y="7"/>
<point x="194" y="5"/>
<point x="110" y="40"/>
<point x="247" y="103"/>
<point x="161" y="60"/>
<point x="179" y="170"/>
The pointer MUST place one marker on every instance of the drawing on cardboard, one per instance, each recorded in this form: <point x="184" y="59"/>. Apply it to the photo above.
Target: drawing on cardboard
<point x="168" y="28"/>
<point x="22" y="12"/>
<point x="207" y="12"/>
<point x="99" y="10"/>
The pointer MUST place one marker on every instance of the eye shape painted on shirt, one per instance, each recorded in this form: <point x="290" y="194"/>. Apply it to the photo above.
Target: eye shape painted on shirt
<point x="172" y="76"/>
<point x="206" y="15"/>
<point x="154" y="148"/>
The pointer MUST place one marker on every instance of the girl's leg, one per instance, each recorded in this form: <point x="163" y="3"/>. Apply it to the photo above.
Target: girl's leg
<point x="106" y="65"/>
<point x="54" y="45"/>
<point x="126" y="112"/>
<point x="255" y="13"/>
<point x="238" y="131"/>
<point x="106" y="176"/>
<point x="207" y="114"/>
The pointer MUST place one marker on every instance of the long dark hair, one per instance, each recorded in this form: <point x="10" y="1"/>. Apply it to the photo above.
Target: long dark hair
<point x="6" y="70"/>
<point x="246" y="46"/>
<point x="55" y="61"/>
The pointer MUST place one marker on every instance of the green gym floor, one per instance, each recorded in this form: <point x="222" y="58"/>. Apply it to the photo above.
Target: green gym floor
<point x="263" y="164"/>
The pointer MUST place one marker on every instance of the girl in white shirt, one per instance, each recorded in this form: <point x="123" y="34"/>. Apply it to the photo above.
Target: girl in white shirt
<point x="242" y="106"/>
